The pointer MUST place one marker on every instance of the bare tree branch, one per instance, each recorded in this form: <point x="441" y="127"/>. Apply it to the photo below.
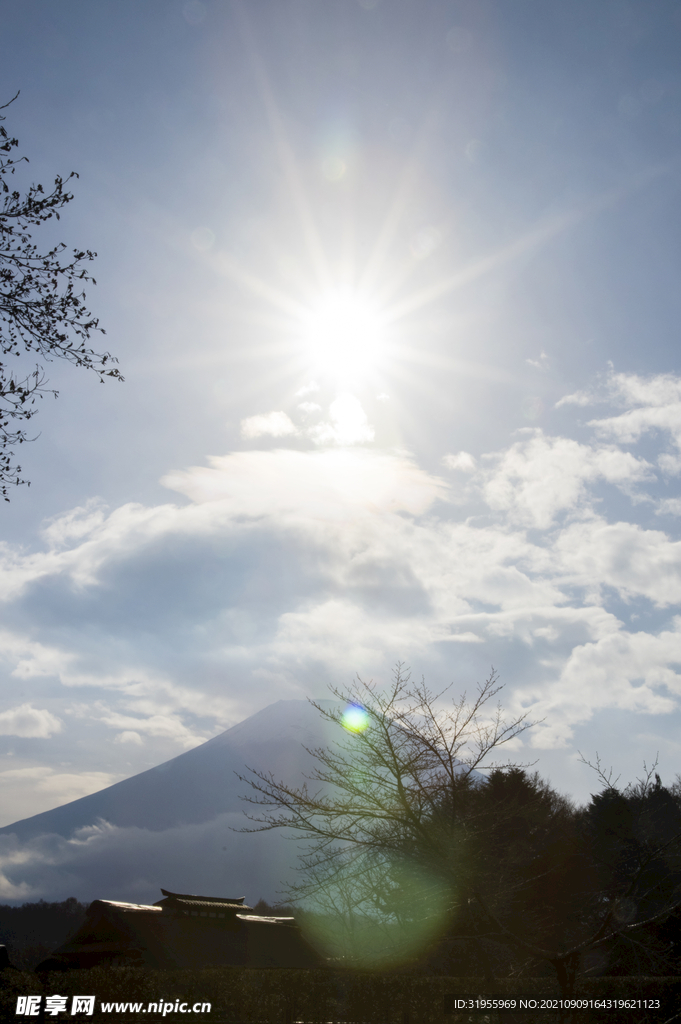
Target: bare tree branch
<point x="42" y="305"/>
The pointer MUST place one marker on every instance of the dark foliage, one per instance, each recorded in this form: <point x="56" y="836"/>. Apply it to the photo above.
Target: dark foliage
<point x="634" y="841"/>
<point x="265" y="909"/>
<point x="526" y="864"/>
<point x="499" y="876"/>
<point x="42" y="305"/>
<point x="248" y="996"/>
<point x="32" y="930"/>
<point x="587" y="891"/>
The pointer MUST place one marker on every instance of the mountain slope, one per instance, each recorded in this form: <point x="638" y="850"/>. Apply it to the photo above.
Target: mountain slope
<point x="198" y="785"/>
<point x="176" y="825"/>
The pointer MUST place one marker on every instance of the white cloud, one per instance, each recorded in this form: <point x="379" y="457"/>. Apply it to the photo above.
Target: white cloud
<point x="307" y="389"/>
<point x="168" y="726"/>
<point x="129" y="736"/>
<point x="287" y="566"/>
<point x="669" y="464"/>
<point x="29" y="791"/>
<point x="310" y="485"/>
<point x="74" y="525"/>
<point x="275" y="424"/>
<point x="633" y="561"/>
<point x="342" y="625"/>
<point x="30" y="658"/>
<point x="28" y="721"/>
<point x="651" y="403"/>
<point x="540" y="363"/>
<point x="414" y="582"/>
<point x="630" y="426"/>
<point x="628" y="389"/>
<point x="629" y="671"/>
<point x="462" y="460"/>
<point x="658" y="390"/>
<point x="64" y="786"/>
<point x="103" y="861"/>
<point x="535" y="479"/>
<point x="578" y="398"/>
<point x="669" y="507"/>
<point x="349" y="424"/>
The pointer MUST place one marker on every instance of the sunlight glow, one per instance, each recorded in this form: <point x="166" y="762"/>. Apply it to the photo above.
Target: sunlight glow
<point x="344" y="333"/>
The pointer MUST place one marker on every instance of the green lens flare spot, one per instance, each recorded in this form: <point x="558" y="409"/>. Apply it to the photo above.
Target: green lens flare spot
<point x="355" y="718"/>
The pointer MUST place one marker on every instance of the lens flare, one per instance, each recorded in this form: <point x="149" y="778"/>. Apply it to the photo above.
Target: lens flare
<point x="378" y="915"/>
<point x="355" y="718"/>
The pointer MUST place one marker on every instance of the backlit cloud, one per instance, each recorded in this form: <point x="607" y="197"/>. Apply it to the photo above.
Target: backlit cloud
<point x="349" y="424"/>
<point x="274" y="424"/>
<point x="306" y="485"/>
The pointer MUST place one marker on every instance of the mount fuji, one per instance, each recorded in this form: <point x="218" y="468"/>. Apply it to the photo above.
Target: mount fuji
<point x="170" y="826"/>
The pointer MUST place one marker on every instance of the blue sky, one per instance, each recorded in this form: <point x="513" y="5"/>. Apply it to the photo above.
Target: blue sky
<point x="394" y="287"/>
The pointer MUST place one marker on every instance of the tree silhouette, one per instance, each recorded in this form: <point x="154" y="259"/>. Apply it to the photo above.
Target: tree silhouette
<point x="402" y="828"/>
<point x="42" y="305"/>
<point x="387" y="825"/>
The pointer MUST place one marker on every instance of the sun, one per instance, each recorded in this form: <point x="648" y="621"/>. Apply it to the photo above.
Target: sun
<point x="344" y="335"/>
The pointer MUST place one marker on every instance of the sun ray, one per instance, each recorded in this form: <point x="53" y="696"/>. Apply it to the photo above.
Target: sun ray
<point x="286" y="156"/>
<point x="541" y="233"/>
<point x="376" y="262"/>
<point x="349" y="322"/>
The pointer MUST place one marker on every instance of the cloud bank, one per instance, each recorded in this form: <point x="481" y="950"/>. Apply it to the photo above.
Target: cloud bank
<point x="556" y="559"/>
<point x="135" y="862"/>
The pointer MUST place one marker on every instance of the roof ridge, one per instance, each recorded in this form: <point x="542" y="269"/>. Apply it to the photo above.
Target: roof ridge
<point x="204" y="899"/>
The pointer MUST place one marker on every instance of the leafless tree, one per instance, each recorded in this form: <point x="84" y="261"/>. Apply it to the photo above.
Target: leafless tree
<point x="42" y="305"/>
<point x="412" y="818"/>
<point x="378" y="811"/>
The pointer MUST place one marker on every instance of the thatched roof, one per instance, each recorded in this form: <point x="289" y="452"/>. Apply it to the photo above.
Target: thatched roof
<point x="185" y="931"/>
